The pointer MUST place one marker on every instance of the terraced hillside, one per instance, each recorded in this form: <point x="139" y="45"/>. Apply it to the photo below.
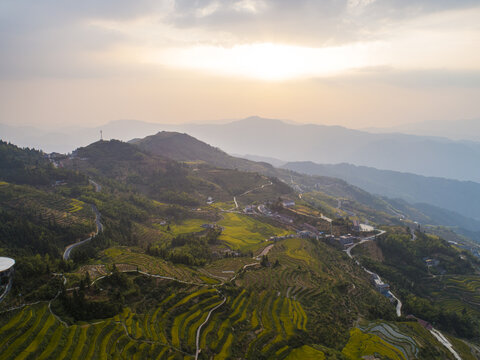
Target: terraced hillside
<point x="47" y="207"/>
<point x="166" y="330"/>
<point x="174" y="277"/>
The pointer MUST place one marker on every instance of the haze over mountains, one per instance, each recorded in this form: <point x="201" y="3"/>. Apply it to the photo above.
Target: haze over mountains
<point x="428" y="156"/>
<point x="468" y="129"/>
<point x="462" y="197"/>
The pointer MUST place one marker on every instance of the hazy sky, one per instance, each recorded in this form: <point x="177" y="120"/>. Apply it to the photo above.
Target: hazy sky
<point x="356" y="63"/>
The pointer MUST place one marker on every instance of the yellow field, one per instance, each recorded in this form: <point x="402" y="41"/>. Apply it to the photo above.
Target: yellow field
<point x="361" y="344"/>
<point x="296" y="250"/>
<point x="187" y="226"/>
<point x="306" y="353"/>
<point x="75" y="205"/>
<point x="245" y="233"/>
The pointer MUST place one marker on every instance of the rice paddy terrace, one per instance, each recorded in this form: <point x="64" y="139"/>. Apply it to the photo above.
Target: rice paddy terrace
<point x="274" y="312"/>
<point x="310" y="301"/>
<point x="166" y="330"/>
<point x="459" y="293"/>
<point x="48" y="207"/>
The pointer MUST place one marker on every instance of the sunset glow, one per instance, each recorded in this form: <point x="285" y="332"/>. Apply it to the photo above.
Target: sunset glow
<point x="267" y="61"/>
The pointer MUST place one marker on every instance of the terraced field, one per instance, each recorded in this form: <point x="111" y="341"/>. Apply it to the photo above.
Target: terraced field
<point x="49" y="207"/>
<point x="390" y="333"/>
<point x="75" y="205"/>
<point x="468" y="287"/>
<point x="244" y="233"/>
<point x="261" y="323"/>
<point x="165" y="332"/>
<point x="257" y="323"/>
<point x="456" y="293"/>
<point x="34" y="332"/>
<point x="306" y="353"/>
<point x="292" y="278"/>
<point x="361" y="344"/>
<point x="188" y="226"/>
<point x="150" y="264"/>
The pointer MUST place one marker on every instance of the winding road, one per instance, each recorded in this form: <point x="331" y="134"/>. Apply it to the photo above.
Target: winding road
<point x="248" y="192"/>
<point x="444" y="341"/>
<point x="69" y="248"/>
<point x="349" y="253"/>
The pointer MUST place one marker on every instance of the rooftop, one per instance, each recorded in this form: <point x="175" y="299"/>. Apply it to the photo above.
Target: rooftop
<point x="6" y="263"/>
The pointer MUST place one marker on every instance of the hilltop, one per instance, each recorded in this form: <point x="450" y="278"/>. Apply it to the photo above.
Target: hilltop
<point x="183" y="147"/>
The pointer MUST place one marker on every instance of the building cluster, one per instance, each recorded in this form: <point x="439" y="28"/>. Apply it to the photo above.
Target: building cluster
<point x="343" y="241"/>
<point x="278" y="238"/>
<point x="212" y="226"/>
<point x="249" y="209"/>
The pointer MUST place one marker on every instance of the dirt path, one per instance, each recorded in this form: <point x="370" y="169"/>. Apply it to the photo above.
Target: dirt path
<point x="264" y="252"/>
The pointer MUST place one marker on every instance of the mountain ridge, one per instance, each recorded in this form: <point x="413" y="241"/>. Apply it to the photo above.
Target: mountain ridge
<point x="423" y="155"/>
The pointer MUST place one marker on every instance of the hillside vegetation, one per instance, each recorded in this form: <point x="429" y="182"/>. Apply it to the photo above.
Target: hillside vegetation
<point x="186" y="264"/>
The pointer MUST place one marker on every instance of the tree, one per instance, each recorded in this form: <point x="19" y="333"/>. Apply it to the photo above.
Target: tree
<point x="264" y="262"/>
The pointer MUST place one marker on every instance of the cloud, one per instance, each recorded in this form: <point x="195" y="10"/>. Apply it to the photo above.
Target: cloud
<point x="81" y="38"/>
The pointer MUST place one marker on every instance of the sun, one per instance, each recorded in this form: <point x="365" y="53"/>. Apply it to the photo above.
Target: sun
<point x="267" y="61"/>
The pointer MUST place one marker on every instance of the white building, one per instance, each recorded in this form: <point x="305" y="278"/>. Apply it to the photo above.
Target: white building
<point x="6" y="275"/>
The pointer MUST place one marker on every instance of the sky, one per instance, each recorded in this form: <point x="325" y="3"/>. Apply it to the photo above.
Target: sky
<point x="356" y="63"/>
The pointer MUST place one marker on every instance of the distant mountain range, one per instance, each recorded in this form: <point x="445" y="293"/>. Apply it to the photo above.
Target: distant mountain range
<point x="428" y="156"/>
<point x="462" y="197"/>
<point x="456" y="130"/>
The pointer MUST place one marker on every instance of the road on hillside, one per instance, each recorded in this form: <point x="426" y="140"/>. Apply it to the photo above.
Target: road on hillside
<point x="414" y="236"/>
<point x="69" y="248"/>
<point x="249" y="191"/>
<point x="349" y="253"/>
<point x="98" y="187"/>
<point x="264" y="252"/>
<point x="370" y="238"/>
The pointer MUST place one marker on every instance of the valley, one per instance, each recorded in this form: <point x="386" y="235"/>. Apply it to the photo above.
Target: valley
<point x="151" y="257"/>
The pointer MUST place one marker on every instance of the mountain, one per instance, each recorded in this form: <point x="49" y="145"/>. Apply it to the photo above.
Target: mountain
<point x="428" y="156"/>
<point x="467" y="129"/>
<point x="67" y="139"/>
<point x="183" y="147"/>
<point x="275" y="162"/>
<point x="462" y="197"/>
<point x="161" y="177"/>
<point x="326" y="187"/>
